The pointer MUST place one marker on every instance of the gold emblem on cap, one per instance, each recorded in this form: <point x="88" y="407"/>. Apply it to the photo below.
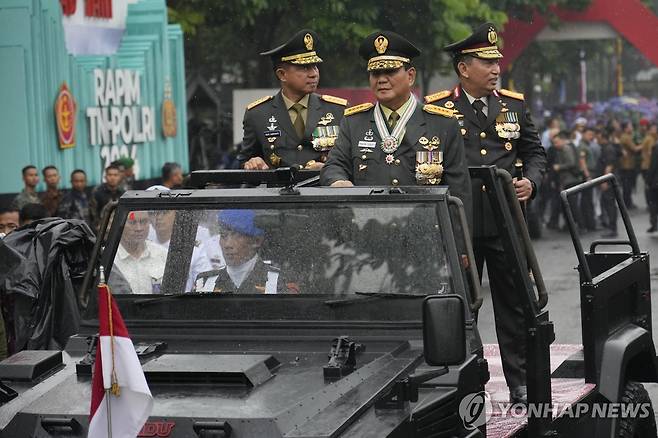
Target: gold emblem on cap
<point x="449" y="104"/>
<point x="492" y="35"/>
<point x="508" y="146"/>
<point x="381" y="44"/>
<point x="308" y="41"/>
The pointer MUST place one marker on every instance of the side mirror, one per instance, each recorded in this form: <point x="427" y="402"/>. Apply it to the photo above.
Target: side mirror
<point x="444" y="332"/>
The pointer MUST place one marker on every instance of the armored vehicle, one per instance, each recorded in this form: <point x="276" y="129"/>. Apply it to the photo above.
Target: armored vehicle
<point x="313" y="312"/>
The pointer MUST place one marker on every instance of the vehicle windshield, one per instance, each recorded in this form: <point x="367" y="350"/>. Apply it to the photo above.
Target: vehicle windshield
<point x="336" y="250"/>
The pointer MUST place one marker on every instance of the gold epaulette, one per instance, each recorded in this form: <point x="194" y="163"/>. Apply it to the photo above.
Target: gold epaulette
<point x="437" y="96"/>
<point x="434" y="109"/>
<point x="255" y="103"/>
<point x="358" y="109"/>
<point x="512" y="94"/>
<point x="334" y="99"/>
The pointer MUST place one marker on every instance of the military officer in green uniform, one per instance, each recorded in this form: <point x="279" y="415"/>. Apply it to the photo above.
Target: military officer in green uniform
<point x="497" y="130"/>
<point x="296" y="127"/>
<point x="397" y="141"/>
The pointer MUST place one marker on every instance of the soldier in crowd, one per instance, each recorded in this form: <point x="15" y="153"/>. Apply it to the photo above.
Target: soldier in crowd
<point x="108" y="191"/>
<point x="53" y="195"/>
<point x="497" y="129"/>
<point x="609" y="163"/>
<point x="75" y="204"/>
<point x="627" y="163"/>
<point x="296" y="127"/>
<point x="29" y="193"/>
<point x="245" y="272"/>
<point x="588" y="160"/>
<point x="397" y="141"/>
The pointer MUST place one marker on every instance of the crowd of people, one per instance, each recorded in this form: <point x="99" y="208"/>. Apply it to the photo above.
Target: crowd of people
<point x="591" y="149"/>
<point x="81" y="201"/>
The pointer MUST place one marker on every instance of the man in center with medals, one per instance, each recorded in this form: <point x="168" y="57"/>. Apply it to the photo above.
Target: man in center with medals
<point x="497" y="130"/>
<point x="296" y="127"/>
<point x="397" y="141"/>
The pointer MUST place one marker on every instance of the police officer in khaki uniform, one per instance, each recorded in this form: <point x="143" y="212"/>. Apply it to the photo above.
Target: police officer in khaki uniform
<point x="497" y="130"/>
<point x="397" y="141"/>
<point x="296" y="127"/>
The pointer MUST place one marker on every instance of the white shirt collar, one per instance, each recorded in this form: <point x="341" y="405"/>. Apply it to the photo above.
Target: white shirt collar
<point x="240" y="272"/>
<point x="472" y="99"/>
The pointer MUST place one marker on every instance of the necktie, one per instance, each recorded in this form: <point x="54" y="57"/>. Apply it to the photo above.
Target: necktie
<point x="393" y="119"/>
<point x="299" y="121"/>
<point x="477" y="106"/>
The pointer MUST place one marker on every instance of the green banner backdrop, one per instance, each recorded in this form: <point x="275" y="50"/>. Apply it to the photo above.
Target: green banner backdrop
<point x="118" y="99"/>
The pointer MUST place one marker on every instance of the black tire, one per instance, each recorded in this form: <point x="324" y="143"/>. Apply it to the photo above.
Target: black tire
<point x="635" y="394"/>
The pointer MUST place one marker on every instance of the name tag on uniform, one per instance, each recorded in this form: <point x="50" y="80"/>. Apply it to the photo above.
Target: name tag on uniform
<point x="367" y="144"/>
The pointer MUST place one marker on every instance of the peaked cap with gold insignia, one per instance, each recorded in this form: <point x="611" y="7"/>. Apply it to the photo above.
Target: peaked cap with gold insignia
<point x="301" y="49"/>
<point x="482" y="43"/>
<point x="386" y="50"/>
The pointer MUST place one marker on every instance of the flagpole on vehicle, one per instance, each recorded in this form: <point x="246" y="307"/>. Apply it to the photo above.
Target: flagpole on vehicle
<point x="101" y="283"/>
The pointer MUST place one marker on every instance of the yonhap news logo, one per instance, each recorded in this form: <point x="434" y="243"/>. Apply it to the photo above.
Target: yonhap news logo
<point x="476" y="409"/>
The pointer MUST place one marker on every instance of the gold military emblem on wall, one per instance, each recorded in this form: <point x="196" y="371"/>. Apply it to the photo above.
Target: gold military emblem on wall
<point x="65" y="117"/>
<point x="308" y="41"/>
<point x="381" y="44"/>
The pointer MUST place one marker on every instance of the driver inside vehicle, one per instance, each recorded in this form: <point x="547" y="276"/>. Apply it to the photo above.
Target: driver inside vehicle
<point x="245" y="272"/>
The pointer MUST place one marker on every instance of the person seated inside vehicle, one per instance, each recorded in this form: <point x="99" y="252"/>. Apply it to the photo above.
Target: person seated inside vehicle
<point x="245" y="272"/>
<point x="162" y="222"/>
<point x="138" y="261"/>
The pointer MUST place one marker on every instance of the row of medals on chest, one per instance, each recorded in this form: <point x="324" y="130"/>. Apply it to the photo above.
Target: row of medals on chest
<point x="429" y="162"/>
<point x="324" y="136"/>
<point x="507" y="123"/>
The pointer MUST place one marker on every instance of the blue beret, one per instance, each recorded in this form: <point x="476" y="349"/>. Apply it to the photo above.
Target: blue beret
<point x="241" y="221"/>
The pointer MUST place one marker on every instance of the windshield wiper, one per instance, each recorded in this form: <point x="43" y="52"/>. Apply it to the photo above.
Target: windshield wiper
<point x="166" y="297"/>
<point x="368" y="296"/>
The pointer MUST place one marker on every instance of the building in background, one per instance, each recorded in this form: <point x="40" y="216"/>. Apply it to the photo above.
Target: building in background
<point x="85" y="82"/>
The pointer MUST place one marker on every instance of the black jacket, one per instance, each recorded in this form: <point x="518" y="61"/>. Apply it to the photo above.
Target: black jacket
<point x="254" y="283"/>
<point x="41" y="267"/>
<point x="487" y="145"/>
<point x="268" y="130"/>
<point x="348" y="160"/>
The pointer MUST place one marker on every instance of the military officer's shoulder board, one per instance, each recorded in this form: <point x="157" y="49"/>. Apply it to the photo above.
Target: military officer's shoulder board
<point x="255" y="103"/>
<point x="437" y="96"/>
<point x="334" y="99"/>
<point x="439" y="110"/>
<point x="512" y="94"/>
<point x="358" y="109"/>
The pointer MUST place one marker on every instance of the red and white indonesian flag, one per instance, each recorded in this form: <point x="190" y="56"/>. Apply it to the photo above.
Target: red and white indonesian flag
<point x="121" y="401"/>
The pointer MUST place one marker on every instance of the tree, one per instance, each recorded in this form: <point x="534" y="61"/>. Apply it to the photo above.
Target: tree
<point x="224" y="38"/>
